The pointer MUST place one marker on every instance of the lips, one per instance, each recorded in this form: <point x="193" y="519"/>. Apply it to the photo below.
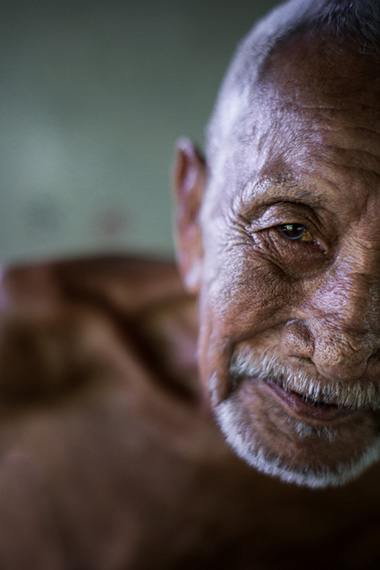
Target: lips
<point x="307" y="409"/>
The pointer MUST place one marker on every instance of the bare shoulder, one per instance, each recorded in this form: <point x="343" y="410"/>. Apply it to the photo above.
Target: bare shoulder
<point x="136" y="304"/>
<point x="105" y="442"/>
<point x="132" y="284"/>
<point x="146" y="298"/>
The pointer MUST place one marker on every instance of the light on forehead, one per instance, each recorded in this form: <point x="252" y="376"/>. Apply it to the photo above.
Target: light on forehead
<point x="335" y="22"/>
<point x="222" y="123"/>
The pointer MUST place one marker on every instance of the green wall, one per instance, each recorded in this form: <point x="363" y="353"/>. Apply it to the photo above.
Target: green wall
<point x="93" y="95"/>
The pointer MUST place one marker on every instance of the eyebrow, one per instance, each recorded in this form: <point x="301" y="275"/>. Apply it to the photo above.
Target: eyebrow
<point x="269" y="191"/>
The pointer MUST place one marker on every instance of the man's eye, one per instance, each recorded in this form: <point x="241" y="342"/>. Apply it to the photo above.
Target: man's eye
<point x="295" y="232"/>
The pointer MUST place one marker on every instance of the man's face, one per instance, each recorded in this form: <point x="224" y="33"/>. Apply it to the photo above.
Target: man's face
<point x="290" y="287"/>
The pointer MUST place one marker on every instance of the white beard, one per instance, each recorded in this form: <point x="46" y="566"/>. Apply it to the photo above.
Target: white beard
<point x="245" y="440"/>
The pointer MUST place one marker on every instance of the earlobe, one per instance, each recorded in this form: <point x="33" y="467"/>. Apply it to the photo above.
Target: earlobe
<point x="189" y="181"/>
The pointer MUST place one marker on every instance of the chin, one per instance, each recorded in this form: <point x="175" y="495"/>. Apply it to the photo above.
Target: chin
<point x="297" y="451"/>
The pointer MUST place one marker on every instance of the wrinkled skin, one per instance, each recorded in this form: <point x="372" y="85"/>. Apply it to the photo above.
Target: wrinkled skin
<point x="306" y="152"/>
<point x="109" y="457"/>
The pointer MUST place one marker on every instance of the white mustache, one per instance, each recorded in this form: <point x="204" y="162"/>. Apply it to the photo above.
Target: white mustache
<point x="355" y="395"/>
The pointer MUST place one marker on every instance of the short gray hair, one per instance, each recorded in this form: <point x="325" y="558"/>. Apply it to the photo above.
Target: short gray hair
<point x="354" y="23"/>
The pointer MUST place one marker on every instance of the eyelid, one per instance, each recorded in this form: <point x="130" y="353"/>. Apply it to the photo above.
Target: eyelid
<point x="287" y="212"/>
<point x="271" y="220"/>
<point x="282" y="213"/>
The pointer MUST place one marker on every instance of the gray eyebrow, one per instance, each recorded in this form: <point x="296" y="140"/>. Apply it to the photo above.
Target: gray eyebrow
<point x="269" y="191"/>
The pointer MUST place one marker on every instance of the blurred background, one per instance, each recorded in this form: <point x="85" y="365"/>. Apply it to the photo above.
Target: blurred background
<point x="93" y="95"/>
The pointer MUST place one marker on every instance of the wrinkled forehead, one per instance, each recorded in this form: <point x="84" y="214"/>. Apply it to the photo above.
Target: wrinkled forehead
<point x="317" y="71"/>
<point x="309" y="93"/>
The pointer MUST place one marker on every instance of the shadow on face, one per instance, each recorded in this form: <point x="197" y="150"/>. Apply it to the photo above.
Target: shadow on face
<point x="287" y="266"/>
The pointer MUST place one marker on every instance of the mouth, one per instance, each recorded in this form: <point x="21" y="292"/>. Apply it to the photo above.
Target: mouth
<point x="304" y="408"/>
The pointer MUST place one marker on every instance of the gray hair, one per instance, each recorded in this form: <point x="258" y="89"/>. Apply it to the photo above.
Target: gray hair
<point x="354" y="23"/>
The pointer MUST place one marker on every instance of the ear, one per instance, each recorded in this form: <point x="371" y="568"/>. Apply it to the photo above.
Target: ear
<point x="189" y="180"/>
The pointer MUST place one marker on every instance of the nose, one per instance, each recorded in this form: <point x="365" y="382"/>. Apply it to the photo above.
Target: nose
<point x="337" y="354"/>
<point x="339" y="330"/>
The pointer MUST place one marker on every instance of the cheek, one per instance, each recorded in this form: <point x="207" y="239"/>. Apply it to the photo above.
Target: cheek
<point x="243" y="297"/>
<point x="246" y="294"/>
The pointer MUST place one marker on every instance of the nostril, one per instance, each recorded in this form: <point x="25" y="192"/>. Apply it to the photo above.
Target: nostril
<point x="336" y="353"/>
<point x="296" y="340"/>
<point x="336" y="356"/>
<point x="373" y="364"/>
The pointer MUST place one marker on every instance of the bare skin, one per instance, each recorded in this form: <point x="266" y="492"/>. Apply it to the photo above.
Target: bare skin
<point x="110" y="458"/>
<point x="288" y="268"/>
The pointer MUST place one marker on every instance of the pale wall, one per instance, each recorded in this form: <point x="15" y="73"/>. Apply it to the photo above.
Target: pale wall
<point x="93" y="95"/>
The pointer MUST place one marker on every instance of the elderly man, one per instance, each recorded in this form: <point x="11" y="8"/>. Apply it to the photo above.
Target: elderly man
<point x="110" y="457"/>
